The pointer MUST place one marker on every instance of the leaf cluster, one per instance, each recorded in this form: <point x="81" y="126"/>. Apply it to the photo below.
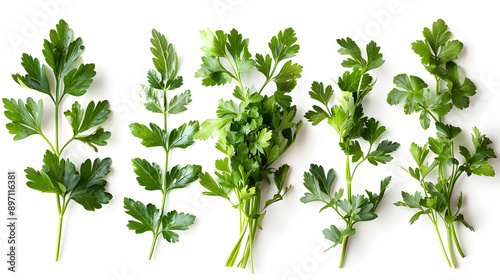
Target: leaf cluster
<point x="353" y="127"/>
<point x="61" y="54"/>
<point x="260" y="129"/>
<point x="84" y="186"/>
<point x="360" y="208"/>
<point x="150" y="175"/>
<point x="437" y="53"/>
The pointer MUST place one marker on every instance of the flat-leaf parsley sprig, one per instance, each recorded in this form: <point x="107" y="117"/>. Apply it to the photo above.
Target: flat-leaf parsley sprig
<point x="253" y="131"/>
<point x="354" y="128"/>
<point x="437" y="53"/>
<point x="60" y="176"/>
<point x="150" y="175"/>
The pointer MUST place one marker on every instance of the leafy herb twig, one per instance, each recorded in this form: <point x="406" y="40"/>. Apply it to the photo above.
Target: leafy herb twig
<point x="437" y="53"/>
<point x="353" y="127"/>
<point x="150" y="175"/>
<point x="254" y="133"/>
<point x="60" y="176"/>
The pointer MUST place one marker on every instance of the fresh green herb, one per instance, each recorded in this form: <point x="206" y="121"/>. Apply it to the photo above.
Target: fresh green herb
<point x="150" y="175"/>
<point x="353" y="127"/>
<point x="60" y="176"/>
<point x="452" y="90"/>
<point x="254" y="133"/>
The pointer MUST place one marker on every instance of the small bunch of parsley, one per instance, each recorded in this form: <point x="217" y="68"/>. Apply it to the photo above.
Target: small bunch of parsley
<point x="353" y="127"/>
<point x="254" y="133"/>
<point x="437" y="54"/>
<point x="60" y="176"/>
<point x="150" y="175"/>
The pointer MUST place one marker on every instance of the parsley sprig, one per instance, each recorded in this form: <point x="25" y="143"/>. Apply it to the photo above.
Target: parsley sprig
<point x="437" y="202"/>
<point x="150" y="175"/>
<point x="60" y="176"/>
<point x="353" y="127"/>
<point x="254" y="133"/>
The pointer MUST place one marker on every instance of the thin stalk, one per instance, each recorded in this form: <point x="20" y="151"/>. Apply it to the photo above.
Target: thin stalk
<point x="344" y="250"/>
<point x="153" y="246"/>
<point x="61" y="211"/>
<point x="457" y="243"/>
<point x="269" y="78"/>
<point x="57" y="129"/>
<point x="348" y="178"/>
<point x="59" y="236"/>
<point x="234" y="253"/>
<point x="164" y="191"/>
<point x="50" y="144"/>
<point x="69" y="141"/>
<point x="441" y="243"/>
<point x="450" y="249"/>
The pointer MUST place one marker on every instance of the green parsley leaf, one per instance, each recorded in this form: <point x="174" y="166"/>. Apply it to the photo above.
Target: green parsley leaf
<point x="149" y="175"/>
<point x="83" y="120"/>
<point x="36" y="77"/>
<point x="26" y="119"/>
<point x="151" y="137"/>
<point x="90" y="192"/>
<point x="283" y="46"/>
<point x="182" y="137"/>
<point x="178" y="103"/>
<point x="179" y="177"/>
<point x="78" y="80"/>
<point x="213" y="188"/>
<point x="147" y="217"/>
<point x="460" y="91"/>
<point x="165" y="58"/>
<point x="286" y="80"/>
<point x="411" y="93"/>
<point x="175" y="221"/>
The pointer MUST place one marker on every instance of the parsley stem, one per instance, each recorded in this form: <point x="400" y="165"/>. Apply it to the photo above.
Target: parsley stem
<point x="61" y="215"/>
<point x="450" y="249"/>
<point x="268" y="79"/>
<point x="344" y="249"/>
<point x="48" y="142"/>
<point x="56" y="104"/>
<point x="441" y="243"/>
<point x="61" y="210"/>
<point x="58" y="153"/>
<point x="153" y="245"/>
<point x="234" y="253"/>
<point x="348" y="177"/>
<point x="69" y="141"/>
<point x="164" y="191"/>
<point x="455" y="238"/>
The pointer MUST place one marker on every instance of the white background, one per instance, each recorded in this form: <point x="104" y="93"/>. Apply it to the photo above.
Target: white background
<point x="97" y="245"/>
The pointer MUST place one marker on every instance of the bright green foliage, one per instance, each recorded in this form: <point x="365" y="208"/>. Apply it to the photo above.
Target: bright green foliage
<point x="59" y="176"/>
<point x="254" y="133"/>
<point x="347" y="118"/>
<point x="437" y="53"/>
<point x="452" y="90"/>
<point x="150" y="175"/>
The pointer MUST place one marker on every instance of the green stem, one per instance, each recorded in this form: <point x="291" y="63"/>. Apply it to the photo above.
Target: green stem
<point x="450" y="249"/>
<point x="234" y="253"/>
<point x="61" y="211"/>
<point x="344" y="250"/>
<point x="59" y="236"/>
<point x="69" y="141"/>
<point x="457" y="243"/>
<point x="153" y="245"/>
<point x="50" y="144"/>
<point x="269" y="78"/>
<point x="441" y="243"/>
<point x="164" y="190"/>
<point x="348" y="178"/>
<point x="58" y="153"/>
